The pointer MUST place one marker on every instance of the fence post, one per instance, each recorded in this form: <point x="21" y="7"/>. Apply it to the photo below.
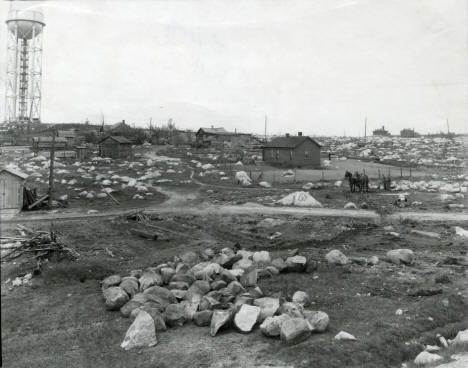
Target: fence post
<point x="410" y="171"/>
<point x="323" y="176"/>
<point x="379" y="172"/>
<point x="401" y="172"/>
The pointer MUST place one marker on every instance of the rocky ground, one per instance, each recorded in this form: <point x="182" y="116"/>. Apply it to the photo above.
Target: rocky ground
<point x="393" y="310"/>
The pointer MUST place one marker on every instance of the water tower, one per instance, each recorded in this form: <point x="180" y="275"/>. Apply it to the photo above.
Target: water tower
<point x="24" y="67"/>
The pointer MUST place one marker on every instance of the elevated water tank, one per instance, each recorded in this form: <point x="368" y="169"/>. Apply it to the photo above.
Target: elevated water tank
<point x="24" y="22"/>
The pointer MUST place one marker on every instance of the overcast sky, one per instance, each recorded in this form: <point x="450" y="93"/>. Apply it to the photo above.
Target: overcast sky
<point x="317" y="66"/>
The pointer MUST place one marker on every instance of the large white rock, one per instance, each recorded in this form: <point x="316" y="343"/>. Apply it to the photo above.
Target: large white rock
<point x="294" y="330"/>
<point x="336" y="257"/>
<point x="342" y="335"/>
<point x="243" y="178"/>
<point x="246" y="318"/>
<point x="300" y="199"/>
<point x="398" y="256"/>
<point x="296" y="263"/>
<point x="425" y="357"/>
<point x="142" y="332"/>
<point x="262" y="257"/>
<point x="461" y="338"/>
<point x="461" y="232"/>
<point x="115" y="297"/>
<point x="219" y="319"/>
<point x="268" y="307"/>
<point x="426" y="234"/>
<point x="350" y="206"/>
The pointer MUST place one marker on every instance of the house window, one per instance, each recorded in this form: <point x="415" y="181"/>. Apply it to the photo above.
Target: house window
<point x="277" y="154"/>
<point x="306" y="154"/>
<point x="290" y="154"/>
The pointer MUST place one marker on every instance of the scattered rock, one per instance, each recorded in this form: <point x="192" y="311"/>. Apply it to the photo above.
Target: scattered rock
<point x="158" y="318"/>
<point x="150" y="278"/>
<point x="280" y="264"/>
<point x="296" y="263"/>
<point x="350" y="205"/>
<point x="301" y="298"/>
<point x="129" y="307"/>
<point x="249" y="277"/>
<point x="167" y="273"/>
<point x="268" y="307"/>
<point x="318" y="320"/>
<point x="115" y="297"/>
<point x="336" y="257"/>
<point x="109" y="281"/>
<point x="397" y="256"/>
<point x="202" y="318"/>
<point x="373" y="260"/>
<point x="292" y="309"/>
<point x="425" y="357"/>
<point x="262" y="257"/>
<point x="220" y="318"/>
<point x="461" y="338"/>
<point x="246" y="317"/>
<point x="130" y="285"/>
<point x="217" y="285"/>
<point x="426" y="234"/>
<point x="174" y="315"/>
<point x="142" y="333"/>
<point x="294" y="330"/>
<point x="271" y="326"/>
<point x="342" y="335"/>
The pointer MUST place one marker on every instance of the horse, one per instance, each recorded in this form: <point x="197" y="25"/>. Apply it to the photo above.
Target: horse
<point x="364" y="183"/>
<point x="351" y="180"/>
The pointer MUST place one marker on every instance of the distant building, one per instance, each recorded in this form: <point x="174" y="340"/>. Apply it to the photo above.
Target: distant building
<point x="11" y="190"/>
<point x="408" y="133"/>
<point x="69" y="135"/>
<point x="292" y="151"/>
<point x="45" y="143"/>
<point x="211" y="136"/>
<point x="115" y="146"/>
<point x="121" y="128"/>
<point x="381" y="132"/>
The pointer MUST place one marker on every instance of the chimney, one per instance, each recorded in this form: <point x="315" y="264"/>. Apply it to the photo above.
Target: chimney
<point x="299" y="134"/>
<point x="212" y="127"/>
<point x="287" y="135"/>
<point x="123" y="121"/>
<point x="383" y="127"/>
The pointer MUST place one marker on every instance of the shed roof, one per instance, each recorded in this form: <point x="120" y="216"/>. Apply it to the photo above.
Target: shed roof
<point x="215" y="131"/>
<point x="289" y="142"/>
<point x="66" y="133"/>
<point x="118" y="139"/>
<point x="14" y="172"/>
<point x="49" y="139"/>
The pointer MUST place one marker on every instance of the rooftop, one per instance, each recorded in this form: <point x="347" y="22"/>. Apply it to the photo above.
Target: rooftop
<point x="289" y="142"/>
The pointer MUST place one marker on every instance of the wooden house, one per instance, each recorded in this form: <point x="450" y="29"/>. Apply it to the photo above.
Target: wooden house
<point x="292" y="151"/>
<point x="207" y="137"/>
<point x="11" y="190"/>
<point x="69" y="135"/>
<point x="115" y="146"/>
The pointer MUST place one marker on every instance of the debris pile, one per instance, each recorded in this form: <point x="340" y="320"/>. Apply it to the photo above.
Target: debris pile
<point x="41" y="244"/>
<point x="218" y="290"/>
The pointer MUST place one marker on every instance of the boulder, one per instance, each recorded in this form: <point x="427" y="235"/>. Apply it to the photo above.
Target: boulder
<point x="271" y="326"/>
<point x="461" y="338"/>
<point x="190" y="259"/>
<point x="342" y="335"/>
<point x="158" y="319"/>
<point x="179" y="294"/>
<point x="185" y="277"/>
<point x="202" y="318"/>
<point x="142" y="332"/>
<point x="208" y="303"/>
<point x="249" y="277"/>
<point x="301" y="298"/>
<point x="113" y="280"/>
<point x="182" y="268"/>
<point x="272" y="270"/>
<point x="174" y="315"/>
<point x="136" y="273"/>
<point x="318" y="320"/>
<point x="241" y="300"/>
<point x="167" y="273"/>
<point x="235" y="288"/>
<point x="280" y="264"/>
<point x="129" y="307"/>
<point x="262" y="257"/>
<point x="130" y="285"/>
<point x="292" y="309"/>
<point x="336" y="257"/>
<point x="294" y="330"/>
<point x="178" y="285"/>
<point x="296" y="263"/>
<point x="189" y="309"/>
<point x="217" y="285"/>
<point x="397" y="256"/>
<point x="373" y="260"/>
<point x="219" y="319"/>
<point x="350" y="206"/>
<point x="115" y="297"/>
<point x="150" y="278"/>
<point x="425" y="358"/>
<point x="246" y="318"/>
<point x="160" y="293"/>
<point x="268" y="307"/>
<point x="425" y="234"/>
<point x="243" y="264"/>
<point x="209" y="253"/>
<point x="301" y="199"/>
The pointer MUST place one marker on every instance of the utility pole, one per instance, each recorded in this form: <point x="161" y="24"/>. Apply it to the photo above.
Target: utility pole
<point x="365" y="129"/>
<point x="51" y="169"/>
<point x="265" y="128"/>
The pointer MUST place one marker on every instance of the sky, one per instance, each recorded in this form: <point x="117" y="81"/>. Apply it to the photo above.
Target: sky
<point x="320" y="67"/>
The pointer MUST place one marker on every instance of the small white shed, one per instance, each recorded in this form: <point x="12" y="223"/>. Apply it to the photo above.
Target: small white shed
<point x="11" y="189"/>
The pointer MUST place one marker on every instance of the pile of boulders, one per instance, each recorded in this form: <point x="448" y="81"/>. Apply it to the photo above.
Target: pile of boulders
<point x="213" y="289"/>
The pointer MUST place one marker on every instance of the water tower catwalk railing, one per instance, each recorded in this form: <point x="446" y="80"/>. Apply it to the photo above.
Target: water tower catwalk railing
<point x="24" y="67"/>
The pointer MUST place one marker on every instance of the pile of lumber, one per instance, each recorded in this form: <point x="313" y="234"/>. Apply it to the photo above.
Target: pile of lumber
<point x="40" y="244"/>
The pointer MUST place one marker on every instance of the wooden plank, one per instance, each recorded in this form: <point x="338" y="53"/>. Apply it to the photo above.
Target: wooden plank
<point x="40" y="200"/>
